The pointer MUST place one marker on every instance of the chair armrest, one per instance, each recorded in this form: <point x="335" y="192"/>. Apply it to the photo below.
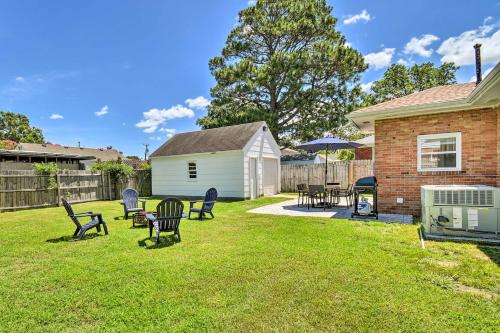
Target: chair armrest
<point x="209" y="202"/>
<point x="83" y="214"/>
<point x="191" y="203"/>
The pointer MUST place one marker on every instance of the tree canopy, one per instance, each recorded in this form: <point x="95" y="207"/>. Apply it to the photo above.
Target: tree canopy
<point x="286" y="64"/>
<point x="16" y="127"/>
<point x="399" y="80"/>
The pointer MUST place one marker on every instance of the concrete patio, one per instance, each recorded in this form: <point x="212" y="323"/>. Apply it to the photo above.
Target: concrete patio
<point x="290" y="208"/>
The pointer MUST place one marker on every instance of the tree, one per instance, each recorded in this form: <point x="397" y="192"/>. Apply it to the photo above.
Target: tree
<point x="399" y="80"/>
<point x="286" y="64"/>
<point x="16" y="127"/>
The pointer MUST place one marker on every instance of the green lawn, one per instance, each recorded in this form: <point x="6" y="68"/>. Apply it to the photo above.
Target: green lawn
<point x="240" y="272"/>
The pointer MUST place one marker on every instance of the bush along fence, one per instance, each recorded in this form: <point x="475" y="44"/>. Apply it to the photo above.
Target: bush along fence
<point x="343" y="172"/>
<point x="32" y="189"/>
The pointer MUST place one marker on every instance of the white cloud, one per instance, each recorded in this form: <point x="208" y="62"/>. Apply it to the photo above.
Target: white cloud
<point x="104" y="110"/>
<point x="153" y="118"/>
<point x="459" y="49"/>
<point x="380" y="59"/>
<point x="56" y="116"/>
<point x="155" y="138"/>
<point x="363" y="16"/>
<point x="419" y="45"/>
<point x="403" y="62"/>
<point x="19" y="79"/>
<point x="170" y="131"/>
<point x="366" y="86"/>
<point x="199" y="102"/>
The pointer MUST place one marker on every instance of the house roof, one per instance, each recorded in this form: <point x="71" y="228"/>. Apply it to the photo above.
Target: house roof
<point x="288" y="152"/>
<point x="441" y="99"/>
<point x="437" y="94"/>
<point x="210" y="140"/>
<point x="103" y="154"/>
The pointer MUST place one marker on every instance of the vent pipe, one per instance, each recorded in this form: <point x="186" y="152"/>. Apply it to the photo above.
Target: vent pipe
<point x="479" y="77"/>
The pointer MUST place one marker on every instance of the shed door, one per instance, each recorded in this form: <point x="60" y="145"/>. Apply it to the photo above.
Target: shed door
<point x="270" y="176"/>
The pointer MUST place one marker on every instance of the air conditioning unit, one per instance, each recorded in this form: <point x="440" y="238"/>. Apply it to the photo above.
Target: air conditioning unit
<point x="464" y="211"/>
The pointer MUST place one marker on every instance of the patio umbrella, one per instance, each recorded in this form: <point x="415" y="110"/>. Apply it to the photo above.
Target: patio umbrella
<point x="326" y="144"/>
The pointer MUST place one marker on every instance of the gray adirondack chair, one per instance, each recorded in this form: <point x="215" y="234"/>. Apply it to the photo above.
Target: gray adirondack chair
<point x="81" y="229"/>
<point x="130" y="202"/>
<point x="206" y="206"/>
<point x="168" y="217"/>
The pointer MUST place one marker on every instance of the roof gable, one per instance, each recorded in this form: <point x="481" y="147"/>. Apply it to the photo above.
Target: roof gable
<point x="211" y="140"/>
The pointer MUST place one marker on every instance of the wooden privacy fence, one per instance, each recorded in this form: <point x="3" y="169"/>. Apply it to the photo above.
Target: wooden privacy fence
<point x="25" y="189"/>
<point x="344" y="172"/>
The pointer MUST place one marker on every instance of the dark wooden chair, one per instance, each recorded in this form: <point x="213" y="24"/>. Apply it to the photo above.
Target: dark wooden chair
<point x="96" y="221"/>
<point x="206" y="206"/>
<point x="303" y="194"/>
<point x="168" y="217"/>
<point x="347" y="194"/>
<point x="316" y="194"/>
<point x="130" y="202"/>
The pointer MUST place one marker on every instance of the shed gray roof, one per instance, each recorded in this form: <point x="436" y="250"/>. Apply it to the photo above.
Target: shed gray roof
<point x="210" y="140"/>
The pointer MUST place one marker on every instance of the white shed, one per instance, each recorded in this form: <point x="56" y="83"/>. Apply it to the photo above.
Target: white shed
<point x="240" y="161"/>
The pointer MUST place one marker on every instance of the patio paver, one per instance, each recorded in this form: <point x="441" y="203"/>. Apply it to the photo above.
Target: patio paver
<point x="290" y="208"/>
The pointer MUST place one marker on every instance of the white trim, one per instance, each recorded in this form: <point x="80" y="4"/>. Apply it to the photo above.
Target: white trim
<point x="458" y="151"/>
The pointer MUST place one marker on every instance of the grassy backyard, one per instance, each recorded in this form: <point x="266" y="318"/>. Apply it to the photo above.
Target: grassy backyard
<point x="240" y="272"/>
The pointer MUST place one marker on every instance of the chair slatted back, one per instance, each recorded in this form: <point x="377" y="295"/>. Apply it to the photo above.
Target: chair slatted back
<point x="130" y="198"/>
<point x="169" y="213"/>
<point x="315" y="189"/>
<point x="211" y="195"/>
<point x="301" y="187"/>
<point x="71" y="213"/>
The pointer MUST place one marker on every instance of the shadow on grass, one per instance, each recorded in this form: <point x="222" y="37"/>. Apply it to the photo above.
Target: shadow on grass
<point x="165" y="241"/>
<point x="491" y="251"/>
<point x="73" y="239"/>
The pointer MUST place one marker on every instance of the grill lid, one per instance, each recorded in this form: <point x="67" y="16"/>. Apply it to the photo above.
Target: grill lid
<point x="366" y="182"/>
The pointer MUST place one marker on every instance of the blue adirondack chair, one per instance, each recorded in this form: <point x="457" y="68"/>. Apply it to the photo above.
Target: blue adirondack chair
<point x="206" y="206"/>
<point x="168" y="217"/>
<point x="130" y="202"/>
<point x="81" y="229"/>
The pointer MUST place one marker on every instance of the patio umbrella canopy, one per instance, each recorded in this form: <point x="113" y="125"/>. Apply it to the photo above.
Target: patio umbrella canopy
<point x="327" y="144"/>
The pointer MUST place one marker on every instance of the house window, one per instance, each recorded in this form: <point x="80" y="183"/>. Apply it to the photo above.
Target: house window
<point x="439" y="152"/>
<point x="192" y="172"/>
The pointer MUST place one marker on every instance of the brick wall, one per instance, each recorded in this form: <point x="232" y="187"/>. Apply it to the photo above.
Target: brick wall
<point x="396" y="155"/>
<point x="363" y="153"/>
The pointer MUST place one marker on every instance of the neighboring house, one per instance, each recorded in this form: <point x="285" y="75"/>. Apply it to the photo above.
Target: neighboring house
<point x="443" y="135"/>
<point x="365" y="151"/>
<point x="240" y="161"/>
<point x="294" y="157"/>
<point x="69" y="158"/>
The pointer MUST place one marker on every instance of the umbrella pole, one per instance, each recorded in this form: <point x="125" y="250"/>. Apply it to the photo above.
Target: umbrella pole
<point x="326" y="166"/>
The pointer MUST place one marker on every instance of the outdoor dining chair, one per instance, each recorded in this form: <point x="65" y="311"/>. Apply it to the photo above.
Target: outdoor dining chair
<point x="81" y="229"/>
<point x="347" y="194"/>
<point x="168" y="217"/>
<point x="130" y="202"/>
<point x="206" y="206"/>
<point x="316" y="194"/>
<point x="303" y="194"/>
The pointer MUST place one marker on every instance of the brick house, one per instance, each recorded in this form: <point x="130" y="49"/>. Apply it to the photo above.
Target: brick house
<point x="443" y="135"/>
<point x="365" y="151"/>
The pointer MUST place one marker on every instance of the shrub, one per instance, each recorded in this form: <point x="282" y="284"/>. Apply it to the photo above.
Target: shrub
<point x="47" y="169"/>
<point x="8" y="144"/>
<point x="117" y="169"/>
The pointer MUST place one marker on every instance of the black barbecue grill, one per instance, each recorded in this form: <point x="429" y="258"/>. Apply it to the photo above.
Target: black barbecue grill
<point x="365" y="185"/>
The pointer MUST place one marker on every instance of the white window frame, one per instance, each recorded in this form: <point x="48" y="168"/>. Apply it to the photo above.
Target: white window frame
<point x="458" y="151"/>
<point x="188" y="171"/>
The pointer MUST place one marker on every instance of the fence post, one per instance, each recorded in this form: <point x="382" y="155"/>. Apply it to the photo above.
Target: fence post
<point x="109" y="186"/>
<point x="58" y="181"/>
<point x="351" y="172"/>
<point x="102" y="186"/>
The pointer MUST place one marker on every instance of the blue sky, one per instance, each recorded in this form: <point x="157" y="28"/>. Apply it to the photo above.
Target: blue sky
<point x="125" y="73"/>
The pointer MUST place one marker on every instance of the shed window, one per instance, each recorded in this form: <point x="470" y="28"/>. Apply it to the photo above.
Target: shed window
<point x="192" y="171"/>
<point x="439" y="152"/>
